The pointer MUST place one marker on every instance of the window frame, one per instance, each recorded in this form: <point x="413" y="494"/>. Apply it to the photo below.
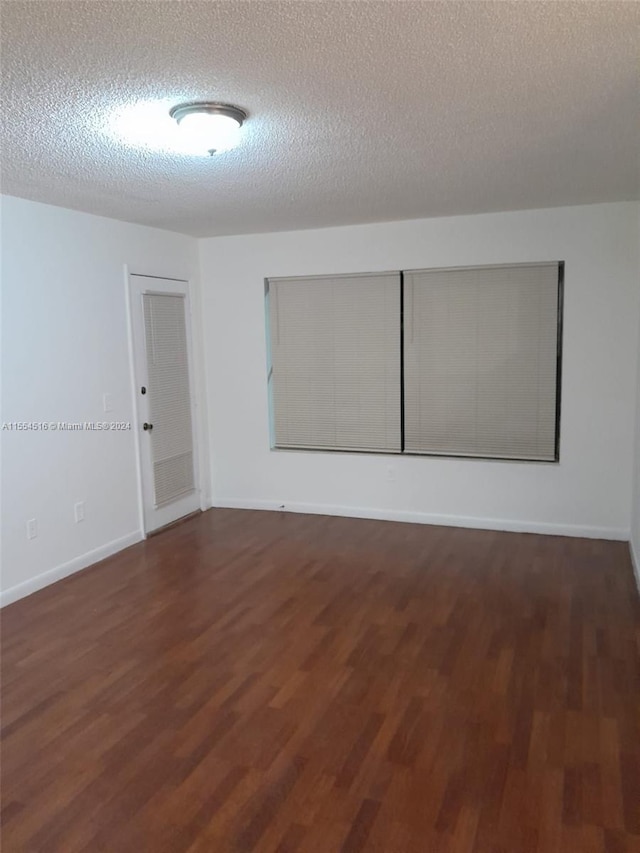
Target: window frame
<point x="426" y="454"/>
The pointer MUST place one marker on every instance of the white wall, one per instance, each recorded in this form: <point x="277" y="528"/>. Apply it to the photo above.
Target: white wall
<point x="588" y="493"/>
<point x="635" y="505"/>
<point x="65" y="343"/>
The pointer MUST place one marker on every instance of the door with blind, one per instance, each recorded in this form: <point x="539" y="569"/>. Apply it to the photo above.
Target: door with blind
<point x="165" y="404"/>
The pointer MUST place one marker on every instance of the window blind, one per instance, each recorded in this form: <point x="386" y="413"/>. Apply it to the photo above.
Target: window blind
<point x="480" y="361"/>
<point x="335" y="360"/>
<point x="169" y="397"/>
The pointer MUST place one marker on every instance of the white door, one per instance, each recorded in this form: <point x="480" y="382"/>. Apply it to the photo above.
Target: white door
<point x="160" y="315"/>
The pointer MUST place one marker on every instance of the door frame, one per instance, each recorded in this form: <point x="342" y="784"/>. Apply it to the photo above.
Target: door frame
<point x="135" y="368"/>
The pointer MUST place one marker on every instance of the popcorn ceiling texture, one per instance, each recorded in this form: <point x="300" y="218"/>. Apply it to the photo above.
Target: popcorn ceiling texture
<point x="359" y="111"/>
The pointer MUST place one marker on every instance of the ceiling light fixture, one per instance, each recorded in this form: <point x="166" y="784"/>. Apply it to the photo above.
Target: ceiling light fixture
<point x="213" y="127"/>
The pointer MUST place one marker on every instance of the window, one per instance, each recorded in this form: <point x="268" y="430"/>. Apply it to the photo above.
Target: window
<point x="480" y="361"/>
<point x="335" y="353"/>
<point x="451" y="362"/>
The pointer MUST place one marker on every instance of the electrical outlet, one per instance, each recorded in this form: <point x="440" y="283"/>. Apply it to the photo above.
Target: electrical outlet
<point x="79" y="511"/>
<point x="107" y="402"/>
<point x="391" y="473"/>
<point x="32" y="528"/>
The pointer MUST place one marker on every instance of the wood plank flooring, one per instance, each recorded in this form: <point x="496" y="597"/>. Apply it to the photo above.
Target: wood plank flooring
<point x="256" y="681"/>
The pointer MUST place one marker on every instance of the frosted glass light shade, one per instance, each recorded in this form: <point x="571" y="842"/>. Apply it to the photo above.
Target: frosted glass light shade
<point x="209" y="127"/>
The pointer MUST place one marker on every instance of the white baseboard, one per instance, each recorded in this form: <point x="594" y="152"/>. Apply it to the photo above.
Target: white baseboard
<point x="14" y="593"/>
<point x="508" y="524"/>
<point x="8" y="596"/>
<point x="635" y="562"/>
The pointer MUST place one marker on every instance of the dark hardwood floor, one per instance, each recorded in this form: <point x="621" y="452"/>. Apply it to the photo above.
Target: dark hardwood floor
<point x="274" y="682"/>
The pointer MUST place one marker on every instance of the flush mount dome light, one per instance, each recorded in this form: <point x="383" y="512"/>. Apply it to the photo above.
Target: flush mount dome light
<point x="212" y="127"/>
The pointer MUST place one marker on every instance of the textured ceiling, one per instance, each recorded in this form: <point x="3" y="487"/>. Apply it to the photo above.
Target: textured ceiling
<point x="358" y="111"/>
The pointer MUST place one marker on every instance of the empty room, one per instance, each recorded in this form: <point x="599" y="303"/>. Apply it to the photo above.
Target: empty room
<point x="320" y="474"/>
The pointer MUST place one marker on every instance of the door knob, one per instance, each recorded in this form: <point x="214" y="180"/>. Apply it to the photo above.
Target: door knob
<point x="146" y="426"/>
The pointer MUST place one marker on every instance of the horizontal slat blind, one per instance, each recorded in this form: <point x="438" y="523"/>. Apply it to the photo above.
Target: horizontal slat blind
<point x="480" y="350"/>
<point x="335" y="350"/>
<point x="169" y="397"/>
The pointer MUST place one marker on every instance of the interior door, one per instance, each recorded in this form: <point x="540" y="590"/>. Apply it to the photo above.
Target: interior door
<point x="160" y="314"/>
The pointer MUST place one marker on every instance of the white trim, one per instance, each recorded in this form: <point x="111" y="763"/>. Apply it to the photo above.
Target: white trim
<point x="134" y="396"/>
<point x="635" y="562"/>
<point x="200" y="391"/>
<point x="14" y="593"/>
<point x="8" y="596"/>
<point x="507" y="524"/>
